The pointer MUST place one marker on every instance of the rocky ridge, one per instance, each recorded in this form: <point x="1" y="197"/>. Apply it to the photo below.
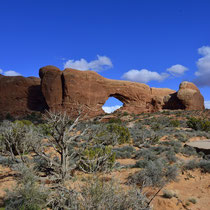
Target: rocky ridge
<point x="73" y="90"/>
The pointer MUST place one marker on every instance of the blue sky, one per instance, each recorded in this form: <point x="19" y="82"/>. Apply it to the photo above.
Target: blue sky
<point x="159" y="42"/>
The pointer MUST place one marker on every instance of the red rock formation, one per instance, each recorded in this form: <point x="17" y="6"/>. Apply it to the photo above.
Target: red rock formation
<point x="72" y="90"/>
<point x="89" y="91"/>
<point x="20" y="95"/>
<point x="51" y="86"/>
<point x="190" y="96"/>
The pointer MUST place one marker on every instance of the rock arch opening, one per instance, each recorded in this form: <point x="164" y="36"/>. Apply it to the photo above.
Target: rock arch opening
<point x="112" y="104"/>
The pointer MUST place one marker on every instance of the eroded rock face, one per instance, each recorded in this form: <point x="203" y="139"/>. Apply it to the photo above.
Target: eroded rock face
<point x="20" y="95"/>
<point x="190" y="96"/>
<point x="72" y="90"/>
<point x="51" y="85"/>
<point x="89" y="91"/>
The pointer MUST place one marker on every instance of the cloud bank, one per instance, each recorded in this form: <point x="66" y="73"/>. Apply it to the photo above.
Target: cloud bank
<point x="110" y="109"/>
<point x="144" y="76"/>
<point x="101" y="63"/>
<point x="207" y="104"/>
<point x="203" y="65"/>
<point x="9" y="73"/>
<point x="177" y="70"/>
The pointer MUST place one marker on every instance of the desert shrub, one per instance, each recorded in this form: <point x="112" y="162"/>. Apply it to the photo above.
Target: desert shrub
<point x="141" y="163"/>
<point x="156" y="126"/>
<point x="168" y="194"/>
<point x="190" y="165"/>
<point x="155" y="174"/>
<point x="16" y="138"/>
<point x="157" y="122"/>
<point x="192" y="200"/>
<point x="139" y="134"/>
<point x="182" y="137"/>
<point x="159" y="149"/>
<point x="122" y="133"/>
<point x="23" y="122"/>
<point x="174" y="123"/>
<point x="146" y="154"/>
<point x="28" y="194"/>
<point x="198" y="124"/>
<point x="98" y="194"/>
<point x="95" y="159"/>
<point x="189" y="151"/>
<point x="171" y="156"/>
<point x="44" y="129"/>
<point x="115" y="120"/>
<point x="125" y="114"/>
<point x="154" y="139"/>
<point x="176" y="145"/>
<point x="204" y="166"/>
<point x="111" y="134"/>
<point x="124" y="152"/>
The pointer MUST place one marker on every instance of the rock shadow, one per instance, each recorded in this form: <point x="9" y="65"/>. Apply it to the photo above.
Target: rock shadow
<point x="36" y="100"/>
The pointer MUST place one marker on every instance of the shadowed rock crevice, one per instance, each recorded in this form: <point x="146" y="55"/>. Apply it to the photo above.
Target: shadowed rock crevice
<point x="172" y="102"/>
<point x="36" y="100"/>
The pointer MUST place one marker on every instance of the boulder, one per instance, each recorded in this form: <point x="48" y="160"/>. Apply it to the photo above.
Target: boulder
<point x="51" y="86"/>
<point x="200" y="146"/>
<point x="190" y="96"/>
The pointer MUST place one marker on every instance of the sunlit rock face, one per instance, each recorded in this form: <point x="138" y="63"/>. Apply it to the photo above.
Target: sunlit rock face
<point x="73" y="91"/>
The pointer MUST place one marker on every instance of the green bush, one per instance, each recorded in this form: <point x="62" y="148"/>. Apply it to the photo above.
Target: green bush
<point x="199" y="124"/>
<point x="97" y="159"/>
<point x="175" y="123"/>
<point x="123" y="134"/>
<point x="115" y="120"/>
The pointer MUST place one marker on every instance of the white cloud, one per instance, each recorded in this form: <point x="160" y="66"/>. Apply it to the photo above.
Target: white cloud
<point x="144" y="76"/>
<point x="101" y="63"/>
<point x="203" y="64"/>
<point x="207" y="104"/>
<point x="1" y="71"/>
<point x="110" y="109"/>
<point x="177" y="70"/>
<point x="11" y="73"/>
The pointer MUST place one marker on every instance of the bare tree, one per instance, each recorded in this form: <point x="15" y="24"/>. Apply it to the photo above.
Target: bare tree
<point x="61" y="136"/>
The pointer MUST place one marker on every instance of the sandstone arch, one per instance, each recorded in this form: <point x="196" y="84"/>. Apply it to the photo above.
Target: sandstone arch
<point x="70" y="89"/>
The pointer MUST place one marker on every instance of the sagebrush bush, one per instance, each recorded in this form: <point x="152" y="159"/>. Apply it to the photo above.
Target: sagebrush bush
<point x="199" y="124"/>
<point x="124" y="152"/>
<point x="28" y="194"/>
<point x="189" y="151"/>
<point x="16" y="138"/>
<point x="97" y="194"/>
<point x="168" y="194"/>
<point x="155" y="174"/>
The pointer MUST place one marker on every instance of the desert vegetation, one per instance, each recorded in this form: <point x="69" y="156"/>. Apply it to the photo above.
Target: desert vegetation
<point x="58" y="162"/>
